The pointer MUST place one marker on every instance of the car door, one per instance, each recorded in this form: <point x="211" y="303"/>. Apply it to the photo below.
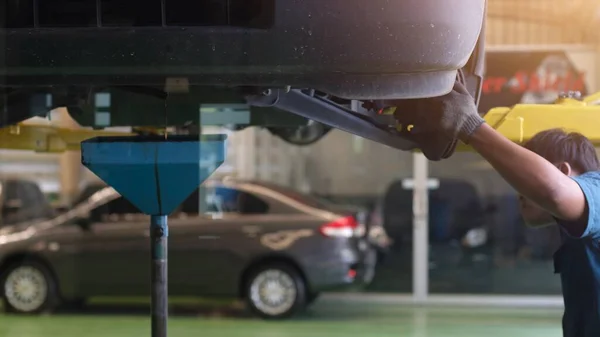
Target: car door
<point x="193" y="238"/>
<point x="114" y="251"/>
<point x="207" y="244"/>
<point x="193" y="266"/>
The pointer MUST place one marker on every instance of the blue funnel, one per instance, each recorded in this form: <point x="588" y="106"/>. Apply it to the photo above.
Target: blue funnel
<point x="153" y="173"/>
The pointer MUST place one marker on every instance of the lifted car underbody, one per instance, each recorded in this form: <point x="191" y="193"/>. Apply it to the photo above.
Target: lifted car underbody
<point x="322" y="60"/>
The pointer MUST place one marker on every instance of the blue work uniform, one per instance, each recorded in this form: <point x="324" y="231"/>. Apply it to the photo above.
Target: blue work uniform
<point x="578" y="263"/>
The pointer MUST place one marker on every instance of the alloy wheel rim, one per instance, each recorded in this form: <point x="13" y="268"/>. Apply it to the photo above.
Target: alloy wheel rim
<point x="26" y="289"/>
<point x="273" y="292"/>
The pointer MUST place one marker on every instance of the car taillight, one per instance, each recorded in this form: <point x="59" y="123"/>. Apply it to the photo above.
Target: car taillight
<point x="345" y="227"/>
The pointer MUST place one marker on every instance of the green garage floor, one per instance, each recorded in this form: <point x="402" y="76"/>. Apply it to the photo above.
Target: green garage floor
<point x="326" y="319"/>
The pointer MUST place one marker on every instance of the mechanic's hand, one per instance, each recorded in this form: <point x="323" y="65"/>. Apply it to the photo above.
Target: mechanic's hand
<point x="451" y="116"/>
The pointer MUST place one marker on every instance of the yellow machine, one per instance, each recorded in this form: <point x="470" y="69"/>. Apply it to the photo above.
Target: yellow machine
<point x="47" y="138"/>
<point x="518" y="123"/>
<point x="522" y="121"/>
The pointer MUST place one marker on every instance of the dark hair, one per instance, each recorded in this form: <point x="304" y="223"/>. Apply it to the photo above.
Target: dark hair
<point x="556" y="146"/>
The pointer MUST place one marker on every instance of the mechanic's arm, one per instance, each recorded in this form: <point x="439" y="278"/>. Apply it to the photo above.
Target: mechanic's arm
<point x="455" y="114"/>
<point x="532" y="176"/>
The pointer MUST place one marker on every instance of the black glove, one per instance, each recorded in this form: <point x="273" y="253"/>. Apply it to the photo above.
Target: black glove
<point x="453" y="115"/>
<point x="434" y="145"/>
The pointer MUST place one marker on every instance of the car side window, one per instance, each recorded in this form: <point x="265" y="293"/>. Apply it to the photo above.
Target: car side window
<point x="251" y="204"/>
<point x="212" y="200"/>
<point x="222" y="199"/>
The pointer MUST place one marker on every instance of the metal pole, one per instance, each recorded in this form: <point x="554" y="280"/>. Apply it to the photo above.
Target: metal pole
<point x="420" y="228"/>
<point x="159" y="233"/>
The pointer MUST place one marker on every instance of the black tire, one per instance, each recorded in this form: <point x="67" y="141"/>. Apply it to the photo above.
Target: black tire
<point x="312" y="297"/>
<point x="301" y="135"/>
<point x="38" y="273"/>
<point x="288" y="276"/>
<point x="77" y="304"/>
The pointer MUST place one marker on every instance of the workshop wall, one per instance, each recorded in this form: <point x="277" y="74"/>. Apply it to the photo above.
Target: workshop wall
<point x="337" y="166"/>
<point x="535" y="22"/>
<point x="344" y="164"/>
<point x="41" y="168"/>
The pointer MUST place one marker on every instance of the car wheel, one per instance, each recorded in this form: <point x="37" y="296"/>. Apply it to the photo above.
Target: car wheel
<point x="28" y="288"/>
<point x="301" y="135"/>
<point x="275" y="291"/>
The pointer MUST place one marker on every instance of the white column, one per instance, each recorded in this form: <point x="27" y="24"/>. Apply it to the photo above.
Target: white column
<point x="70" y="173"/>
<point x="69" y="161"/>
<point x="420" y="228"/>
<point x="300" y="171"/>
<point x="246" y="153"/>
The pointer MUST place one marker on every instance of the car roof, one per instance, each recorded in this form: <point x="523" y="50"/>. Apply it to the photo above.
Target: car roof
<point x="226" y="182"/>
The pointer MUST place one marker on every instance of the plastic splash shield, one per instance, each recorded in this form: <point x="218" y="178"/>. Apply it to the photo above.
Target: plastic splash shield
<point x="154" y="173"/>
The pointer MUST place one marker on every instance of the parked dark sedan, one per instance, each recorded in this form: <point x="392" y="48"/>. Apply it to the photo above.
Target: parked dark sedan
<point x="275" y="248"/>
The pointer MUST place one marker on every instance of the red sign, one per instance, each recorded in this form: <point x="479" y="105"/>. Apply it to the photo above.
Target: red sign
<point x="532" y="77"/>
<point x="524" y="82"/>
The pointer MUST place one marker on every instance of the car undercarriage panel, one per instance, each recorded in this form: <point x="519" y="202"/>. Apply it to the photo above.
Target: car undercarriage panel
<point x="366" y="50"/>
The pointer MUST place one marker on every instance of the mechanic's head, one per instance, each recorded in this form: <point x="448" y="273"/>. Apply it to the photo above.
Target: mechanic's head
<point x="571" y="152"/>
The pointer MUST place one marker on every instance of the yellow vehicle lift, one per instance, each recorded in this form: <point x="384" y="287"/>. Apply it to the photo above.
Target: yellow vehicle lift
<point x="522" y="121"/>
<point x="48" y="138"/>
<point x="518" y="123"/>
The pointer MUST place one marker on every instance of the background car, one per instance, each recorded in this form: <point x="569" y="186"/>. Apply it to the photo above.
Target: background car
<point x="274" y="248"/>
<point x="370" y="215"/>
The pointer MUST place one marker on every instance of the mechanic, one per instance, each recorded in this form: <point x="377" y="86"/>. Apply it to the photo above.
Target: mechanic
<point x="556" y="174"/>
